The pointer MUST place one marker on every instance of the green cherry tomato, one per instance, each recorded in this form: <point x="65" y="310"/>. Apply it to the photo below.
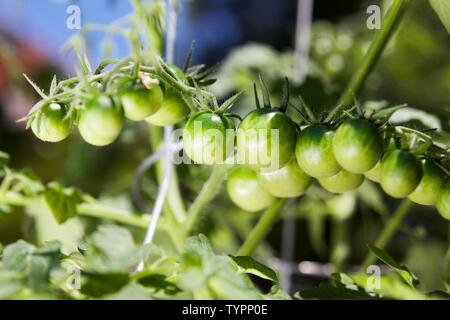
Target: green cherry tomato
<point x="287" y="182"/>
<point x="428" y="188"/>
<point x="101" y="121"/>
<point x="50" y="124"/>
<point x="343" y="181"/>
<point x="246" y="192"/>
<point x="357" y="145"/>
<point x="374" y="174"/>
<point x="208" y="138"/>
<point x="314" y="151"/>
<point x="139" y="102"/>
<point x="401" y="172"/>
<point x="443" y="199"/>
<point x="266" y="139"/>
<point x="173" y="109"/>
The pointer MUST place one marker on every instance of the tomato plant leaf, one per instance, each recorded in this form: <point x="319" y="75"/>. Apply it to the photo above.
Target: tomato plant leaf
<point x="159" y="282"/>
<point x="16" y="255"/>
<point x="62" y="201"/>
<point x="276" y="293"/>
<point x="442" y="8"/>
<point x="98" y="284"/>
<point x="249" y="265"/>
<point x="199" y="244"/>
<point x="407" y="275"/>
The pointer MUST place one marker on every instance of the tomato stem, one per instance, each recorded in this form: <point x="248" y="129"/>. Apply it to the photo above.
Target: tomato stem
<point x="207" y="193"/>
<point x="261" y="228"/>
<point x="391" y="226"/>
<point x="390" y="21"/>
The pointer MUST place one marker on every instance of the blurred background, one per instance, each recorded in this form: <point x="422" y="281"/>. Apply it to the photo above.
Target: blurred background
<point x="247" y="38"/>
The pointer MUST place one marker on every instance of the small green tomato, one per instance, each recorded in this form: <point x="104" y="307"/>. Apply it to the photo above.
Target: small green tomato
<point x="287" y="182"/>
<point x="357" y="145"/>
<point x="246" y="192"/>
<point x="314" y="151"/>
<point x="208" y="138"/>
<point x="266" y="139"/>
<point x="443" y="199"/>
<point x="101" y="121"/>
<point x="401" y="172"/>
<point x="427" y="191"/>
<point x="343" y="181"/>
<point x="139" y="102"/>
<point x="51" y="124"/>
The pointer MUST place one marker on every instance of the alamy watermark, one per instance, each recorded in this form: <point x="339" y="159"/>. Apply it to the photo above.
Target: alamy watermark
<point x="374" y="19"/>
<point x="73" y="21"/>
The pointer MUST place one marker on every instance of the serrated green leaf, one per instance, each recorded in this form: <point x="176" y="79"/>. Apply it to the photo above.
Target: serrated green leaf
<point x="199" y="244"/>
<point x="442" y="8"/>
<point x="407" y="275"/>
<point x="28" y="182"/>
<point x="16" y="255"/>
<point x="62" y="201"/>
<point x="249" y="265"/>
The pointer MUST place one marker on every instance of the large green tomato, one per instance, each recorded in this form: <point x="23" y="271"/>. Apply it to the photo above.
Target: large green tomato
<point x="208" y="138"/>
<point x="314" y="151"/>
<point x="173" y="109"/>
<point x="50" y="124"/>
<point x="266" y="139"/>
<point x="246" y="192"/>
<point x="401" y="172"/>
<point x="443" y="199"/>
<point x="357" y="145"/>
<point x="287" y="182"/>
<point x="343" y="181"/>
<point x="101" y="121"/>
<point x="427" y="191"/>
<point x="139" y="102"/>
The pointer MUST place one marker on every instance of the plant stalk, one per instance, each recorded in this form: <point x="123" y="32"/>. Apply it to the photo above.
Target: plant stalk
<point x="262" y="227"/>
<point x="390" y="21"/>
<point x="392" y="225"/>
<point x="208" y="192"/>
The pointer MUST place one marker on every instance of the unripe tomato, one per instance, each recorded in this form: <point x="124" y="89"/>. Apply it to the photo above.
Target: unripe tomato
<point x="266" y="139"/>
<point x="208" y="138"/>
<point x="343" y="181"/>
<point x="357" y="145"/>
<point x="246" y="192"/>
<point x="139" y="102"/>
<point x="50" y="124"/>
<point x="101" y="121"/>
<point x="401" y="172"/>
<point x="374" y="174"/>
<point x="443" y="199"/>
<point x="428" y="188"/>
<point x="287" y="182"/>
<point x="173" y="109"/>
<point x="314" y="151"/>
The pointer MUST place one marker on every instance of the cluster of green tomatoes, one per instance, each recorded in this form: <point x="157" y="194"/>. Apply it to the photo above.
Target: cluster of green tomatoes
<point x="101" y="118"/>
<point x="339" y="153"/>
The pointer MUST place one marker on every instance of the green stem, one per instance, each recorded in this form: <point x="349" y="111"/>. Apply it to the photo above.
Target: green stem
<point x="389" y="230"/>
<point x="208" y="192"/>
<point x="340" y="248"/>
<point x="390" y="20"/>
<point x="261" y="228"/>
<point x="95" y="210"/>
